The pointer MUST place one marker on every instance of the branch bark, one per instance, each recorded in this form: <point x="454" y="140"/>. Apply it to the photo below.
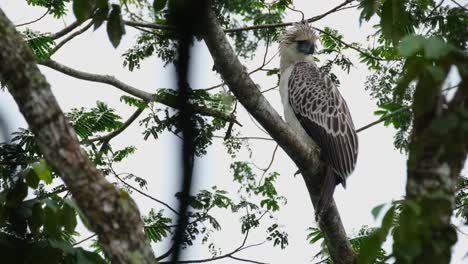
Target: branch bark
<point x="113" y="215"/>
<point x="145" y="96"/>
<point x="306" y="157"/>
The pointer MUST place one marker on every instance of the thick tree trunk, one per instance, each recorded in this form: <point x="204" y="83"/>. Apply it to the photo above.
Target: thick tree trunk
<point x="437" y="155"/>
<point x="112" y="214"/>
<point x="306" y="157"/>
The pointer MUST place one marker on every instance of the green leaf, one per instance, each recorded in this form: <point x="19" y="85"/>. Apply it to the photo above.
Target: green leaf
<point x="376" y="210"/>
<point x="436" y="48"/>
<point x="100" y="16"/>
<point x="51" y="222"/>
<point x="158" y="5"/>
<point x="35" y="221"/>
<point x="32" y="179"/>
<point x="43" y="171"/>
<point x="83" y="9"/>
<point x="115" y="26"/>
<point x="314" y="235"/>
<point x="410" y="45"/>
<point x="395" y="20"/>
<point x="369" y="8"/>
<point x="371" y="246"/>
<point x="68" y="217"/>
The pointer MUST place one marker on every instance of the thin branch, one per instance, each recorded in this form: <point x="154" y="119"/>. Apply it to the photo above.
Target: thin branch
<point x="70" y="37"/>
<point x="247" y="260"/>
<point x="167" y="254"/>
<point x="125" y="125"/>
<point x="270" y="89"/>
<point x="145" y="194"/>
<point x="16" y="163"/>
<point x="380" y="120"/>
<point x="66" y="30"/>
<point x="349" y="45"/>
<point x="271" y="161"/>
<point x="309" y="20"/>
<point x="396" y="112"/>
<point x="232" y="30"/>
<point x="84" y="240"/>
<point x="248" y="138"/>
<point x="148" y="97"/>
<point x="35" y="20"/>
<point x="458" y="4"/>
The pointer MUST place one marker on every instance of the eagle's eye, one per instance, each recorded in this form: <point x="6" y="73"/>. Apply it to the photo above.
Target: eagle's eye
<point x="306" y="46"/>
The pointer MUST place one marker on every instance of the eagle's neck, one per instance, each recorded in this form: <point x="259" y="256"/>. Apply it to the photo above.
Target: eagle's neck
<point x="290" y="56"/>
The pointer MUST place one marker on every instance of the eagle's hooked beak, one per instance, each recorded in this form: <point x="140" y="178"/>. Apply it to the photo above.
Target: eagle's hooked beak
<point x="306" y="47"/>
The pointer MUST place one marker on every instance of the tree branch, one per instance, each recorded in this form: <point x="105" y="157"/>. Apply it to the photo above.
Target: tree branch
<point x="66" y="30"/>
<point x="286" y="24"/>
<point x="70" y="37"/>
<point x="35" y="20"/>
<point x="106" y="138"/>
<point x="145" y="194"/>
<point x="145" y="96"/>
<point x="232" y="30"/>
<point x="306" y="157"/>
<point x="113" y="216"/>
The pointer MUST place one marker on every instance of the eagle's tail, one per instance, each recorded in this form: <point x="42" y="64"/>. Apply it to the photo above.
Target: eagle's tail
<point x="326" y="193"/>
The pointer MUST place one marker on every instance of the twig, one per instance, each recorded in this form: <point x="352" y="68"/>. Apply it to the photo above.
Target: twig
<point x="309" y="20"/>
<point x="248" y="138"/>
<point x="16" y="163"/>
<point x="70" y="37"/>
<point x="458" y="4"/>
<point x="247" y="260"/>
<point x="380" y="120"/>
<point x="146" y="195"/>
<point x="396" y="112"/>
<point x="271" y="161"/>
<point x="125" y="125"/>
<point x="84" y="240"/>
<point x="270" y="89"/>
<point x="35" y="20"/>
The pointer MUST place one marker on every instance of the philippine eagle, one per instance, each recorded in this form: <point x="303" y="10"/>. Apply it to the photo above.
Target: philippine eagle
<point x="315" y="109"/>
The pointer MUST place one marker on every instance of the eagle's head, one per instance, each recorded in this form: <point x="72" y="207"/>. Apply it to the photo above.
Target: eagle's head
<point x="297" y="43"/>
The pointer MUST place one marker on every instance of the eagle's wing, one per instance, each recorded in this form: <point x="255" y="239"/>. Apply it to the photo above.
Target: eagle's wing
<point x="324" y="115"/>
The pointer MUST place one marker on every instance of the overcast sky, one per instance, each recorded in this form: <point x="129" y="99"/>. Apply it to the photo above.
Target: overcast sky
<point x="379" y="176"/>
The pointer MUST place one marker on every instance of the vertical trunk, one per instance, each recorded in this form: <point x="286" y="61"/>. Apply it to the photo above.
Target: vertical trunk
<point x="437" y="155"/>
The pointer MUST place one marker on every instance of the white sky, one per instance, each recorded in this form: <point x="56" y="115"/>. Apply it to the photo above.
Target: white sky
<point x="379" y="176"/>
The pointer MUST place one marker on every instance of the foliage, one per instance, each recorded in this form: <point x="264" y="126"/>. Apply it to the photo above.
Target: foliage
<point x="56" y="7"/>
<point x="41" y="44"/>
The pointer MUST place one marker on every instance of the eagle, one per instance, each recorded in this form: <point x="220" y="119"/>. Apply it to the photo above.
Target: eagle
<point x="315" y="109"/>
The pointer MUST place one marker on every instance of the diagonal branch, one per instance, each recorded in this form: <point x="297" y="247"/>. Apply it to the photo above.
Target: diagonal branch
<point x="145" y="96"/>
<point x="66" y="30"/>
<point x="106" y="138"/>
<point x="70" y="37"/>
<point x="113" y="216"/>
<point x="306" y="157"/>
